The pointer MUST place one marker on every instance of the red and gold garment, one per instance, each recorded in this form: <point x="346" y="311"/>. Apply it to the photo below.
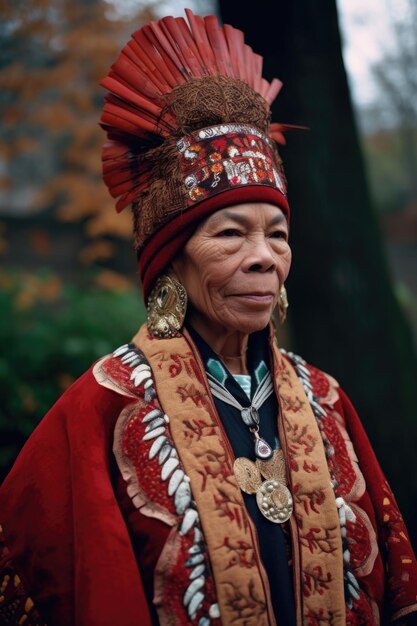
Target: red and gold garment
<point x="146" y="414"/>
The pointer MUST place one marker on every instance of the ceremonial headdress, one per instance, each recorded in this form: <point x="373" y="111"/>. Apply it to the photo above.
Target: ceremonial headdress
<point x="187" y="118"/>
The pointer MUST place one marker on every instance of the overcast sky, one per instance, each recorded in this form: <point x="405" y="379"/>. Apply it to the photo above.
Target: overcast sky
<point x="367" y="34"/>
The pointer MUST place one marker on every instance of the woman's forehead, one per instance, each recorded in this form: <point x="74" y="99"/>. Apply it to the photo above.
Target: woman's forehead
<point x="248" y="212"/>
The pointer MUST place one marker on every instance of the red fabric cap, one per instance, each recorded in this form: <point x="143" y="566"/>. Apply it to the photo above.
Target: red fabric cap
<point x="166" y="242"/>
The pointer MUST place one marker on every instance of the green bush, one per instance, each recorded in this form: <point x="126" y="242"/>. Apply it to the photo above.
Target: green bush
<point x="49" y="335"/>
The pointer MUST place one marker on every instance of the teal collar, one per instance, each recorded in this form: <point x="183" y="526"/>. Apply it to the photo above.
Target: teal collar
<point x="219" y="372"/>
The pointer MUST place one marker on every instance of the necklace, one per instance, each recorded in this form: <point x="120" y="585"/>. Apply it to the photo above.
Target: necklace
<point x="272" y="495"/>
<point x="250" y="414"/>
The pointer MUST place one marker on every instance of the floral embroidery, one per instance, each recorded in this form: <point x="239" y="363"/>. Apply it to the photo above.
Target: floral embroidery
<point x="360" y="554"/>
<point x="149" y="425"/>
<point x="315" y="581"/>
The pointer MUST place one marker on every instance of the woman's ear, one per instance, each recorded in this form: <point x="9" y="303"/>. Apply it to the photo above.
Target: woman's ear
<point x="174" y="268"/>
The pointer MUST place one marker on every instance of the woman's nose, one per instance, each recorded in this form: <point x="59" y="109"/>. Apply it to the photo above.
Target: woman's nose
<point x="260" y="257"/>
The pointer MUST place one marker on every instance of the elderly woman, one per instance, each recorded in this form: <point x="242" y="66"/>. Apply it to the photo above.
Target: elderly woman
<point x="199" y="475"/>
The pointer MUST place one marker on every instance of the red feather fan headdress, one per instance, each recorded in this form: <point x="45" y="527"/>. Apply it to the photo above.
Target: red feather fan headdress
<point x="187" y="118"/>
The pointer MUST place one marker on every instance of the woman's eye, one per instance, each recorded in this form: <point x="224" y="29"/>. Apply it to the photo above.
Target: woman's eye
<point x="279" y="234"/>
<point x="229" y="232"/>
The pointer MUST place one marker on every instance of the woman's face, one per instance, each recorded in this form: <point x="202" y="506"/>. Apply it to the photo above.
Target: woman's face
<point x="234" y="266"/>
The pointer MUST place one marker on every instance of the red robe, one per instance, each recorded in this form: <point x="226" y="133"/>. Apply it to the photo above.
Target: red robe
<point x="66" y="538"/>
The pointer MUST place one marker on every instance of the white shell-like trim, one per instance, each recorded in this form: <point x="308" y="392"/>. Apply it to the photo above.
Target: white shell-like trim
<point x="175" y="481"/>
<point x="129" y="357"/>
<point x="158" y="421"/>
<point x="195" y="604"/>
<point x="168" y="467"/>
<point x="194" y="560"/>
<point x="164" y="453"/>
<point x="154" y="433"/>
<point x="157" y="445"/>
<point x="197" y="571"/>
<point x="353" y="591"/>
<point x="214" y="611"/>
<point x="350" y="515"/>
<point x="143" y="367"/>
<point x="141" y="377"/>
<point x="151" y="415"/>
<point x="182" y="497"/>
<point x="121" y="350"/>
<point x="190" y="518"/>
<point x="192" y="588"/>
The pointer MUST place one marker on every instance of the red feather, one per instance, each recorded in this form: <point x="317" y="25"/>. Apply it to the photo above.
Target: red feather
<point x="200" y="36"/>
<point x="218" y="43"/>
<point x="157" y="59"/>
<point x="174" y="34"/>
<point x="150" y="85"/>
<point x="127" y="94"/>
<point x="234" y="39"/>
<point x="273" y="90"/>
<point x="190" y="49"/>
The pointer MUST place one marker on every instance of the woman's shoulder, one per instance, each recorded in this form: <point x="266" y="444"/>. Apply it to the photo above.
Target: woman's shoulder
<point x="326" y="396"/>
<point x="125" y="372"/>
<point x="317" y="383"/>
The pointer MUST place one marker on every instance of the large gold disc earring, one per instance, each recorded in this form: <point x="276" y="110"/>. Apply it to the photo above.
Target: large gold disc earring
<point x="282" y="305"/>
<point x="167" y="305"/>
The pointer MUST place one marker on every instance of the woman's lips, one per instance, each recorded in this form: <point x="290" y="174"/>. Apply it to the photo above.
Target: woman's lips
<point x="255" y="297"/>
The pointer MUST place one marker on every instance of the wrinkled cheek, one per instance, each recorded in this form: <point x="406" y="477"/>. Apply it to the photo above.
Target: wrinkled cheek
<point x="216" y="304"/>
<point x="284" y="266"/>
<point x="206" y="299"/>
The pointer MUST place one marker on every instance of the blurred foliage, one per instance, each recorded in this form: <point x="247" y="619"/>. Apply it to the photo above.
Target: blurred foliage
<point x="53" y="55"/>
<point x="50" y="334"/>
<point x="388" y="177"/>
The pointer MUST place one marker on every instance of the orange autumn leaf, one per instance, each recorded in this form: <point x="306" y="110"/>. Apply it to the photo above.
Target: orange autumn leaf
<point x="97" y="251"/>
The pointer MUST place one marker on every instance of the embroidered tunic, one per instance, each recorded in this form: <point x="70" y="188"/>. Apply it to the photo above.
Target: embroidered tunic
<point x="67" y="551"/>
<point x="273" y="543"/>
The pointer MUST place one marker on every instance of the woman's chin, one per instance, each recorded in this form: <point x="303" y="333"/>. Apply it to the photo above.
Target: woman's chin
<point x="252" y="323"/>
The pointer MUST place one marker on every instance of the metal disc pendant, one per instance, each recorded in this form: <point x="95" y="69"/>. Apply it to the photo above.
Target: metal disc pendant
<point x="247" y="475"/>
<point x="262" y="449"/>
<point x="274" y="501"/>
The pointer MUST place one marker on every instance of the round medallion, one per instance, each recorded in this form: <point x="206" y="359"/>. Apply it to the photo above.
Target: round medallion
<point x="247" y="475"/>
<point x="274" y="501"/>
